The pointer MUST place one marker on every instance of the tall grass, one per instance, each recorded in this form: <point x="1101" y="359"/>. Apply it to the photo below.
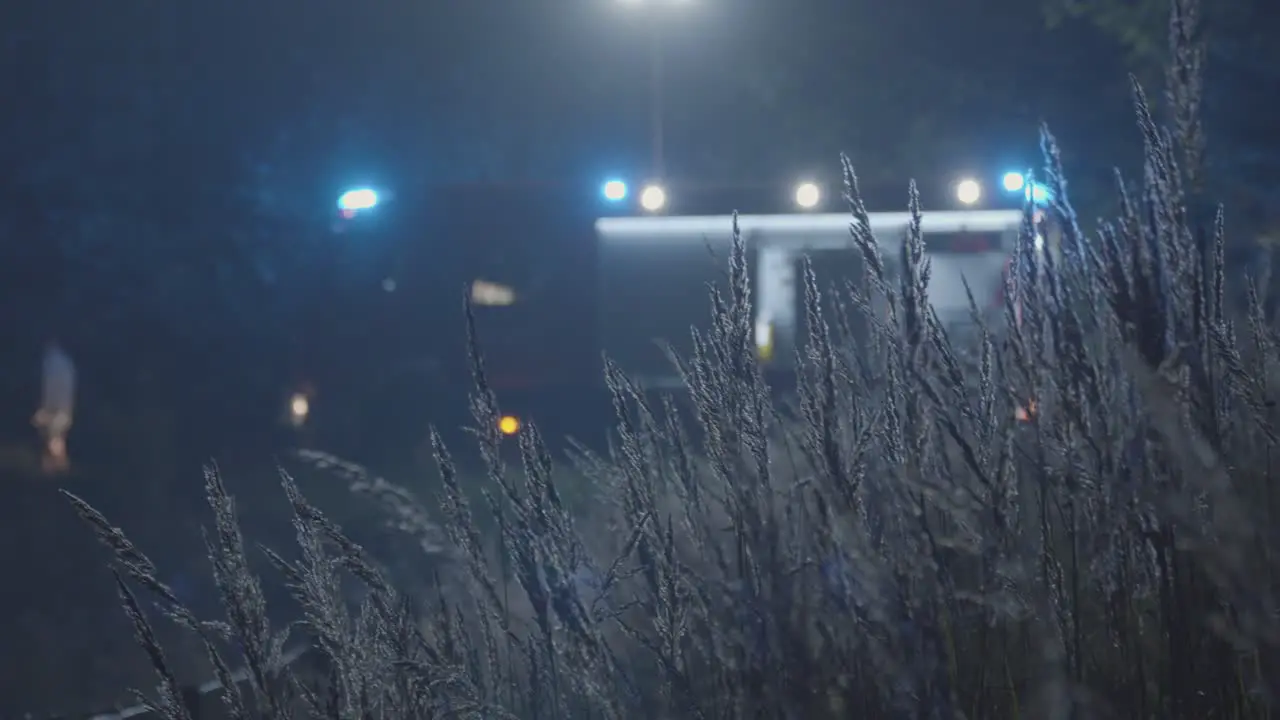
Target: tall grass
<point x="893" y="544"/>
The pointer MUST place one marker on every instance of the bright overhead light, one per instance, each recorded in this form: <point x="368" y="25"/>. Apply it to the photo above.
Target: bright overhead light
<point x="808" y="195"/>
<point x="1013" y="182"/>
<point x="968" y="191"/>
<point x="654" y="198"/>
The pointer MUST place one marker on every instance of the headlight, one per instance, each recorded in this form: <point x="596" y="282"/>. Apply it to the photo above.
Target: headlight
<point x="654" y="198"/>
<point x="968" y="191"/>
<point x="808" y="195"/>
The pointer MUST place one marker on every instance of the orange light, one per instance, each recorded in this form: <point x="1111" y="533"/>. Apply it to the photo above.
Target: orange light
<point x="509" y="425"/>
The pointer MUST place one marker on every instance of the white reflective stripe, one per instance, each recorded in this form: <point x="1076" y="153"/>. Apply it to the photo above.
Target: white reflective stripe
<point x="775" y="291"/>
<point x="802" y="231"/>
<point x="764" y="334"/>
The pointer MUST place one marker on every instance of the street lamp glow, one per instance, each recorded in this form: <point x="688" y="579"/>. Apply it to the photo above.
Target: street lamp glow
<point x="654" y="198"/>
<point x="299" y="409"/>
<point x="1014" y="182"/>
<point x="968" y="191"/>
<point x="1038" y="194"/>
<point x="358" y="199"/>
<point x="615" y="190"/>
<point x="808" y="195"/>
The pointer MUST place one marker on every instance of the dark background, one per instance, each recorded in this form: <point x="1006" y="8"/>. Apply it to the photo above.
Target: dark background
<point x="167" y="182"/>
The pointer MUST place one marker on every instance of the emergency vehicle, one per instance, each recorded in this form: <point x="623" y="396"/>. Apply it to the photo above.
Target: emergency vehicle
<point x="654" y="269"/>
<point x="557" y="283"/>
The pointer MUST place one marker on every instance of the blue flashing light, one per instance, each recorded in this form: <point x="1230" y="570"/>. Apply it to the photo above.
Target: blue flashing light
<point x="615" y="191"/>
<point x="1038" y="194"/>
<point x="356" y="200"/>
<point x="1014" y="182"/>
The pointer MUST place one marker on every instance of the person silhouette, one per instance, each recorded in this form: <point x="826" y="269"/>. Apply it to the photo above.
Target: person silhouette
<point x="57" y="406"/>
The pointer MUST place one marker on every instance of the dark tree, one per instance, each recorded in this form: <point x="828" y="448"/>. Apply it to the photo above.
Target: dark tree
<point x="1242" y="64"/>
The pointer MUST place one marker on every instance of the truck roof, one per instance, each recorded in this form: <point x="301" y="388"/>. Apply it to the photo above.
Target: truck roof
<point x="805" y="231"/>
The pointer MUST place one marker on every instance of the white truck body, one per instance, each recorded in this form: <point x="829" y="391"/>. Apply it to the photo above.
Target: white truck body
<point x="655" y="271"/>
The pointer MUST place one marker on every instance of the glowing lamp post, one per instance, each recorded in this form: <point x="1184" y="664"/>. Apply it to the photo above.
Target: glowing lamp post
<point x="299" y="409"/>
<point x="656" y="73"/>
